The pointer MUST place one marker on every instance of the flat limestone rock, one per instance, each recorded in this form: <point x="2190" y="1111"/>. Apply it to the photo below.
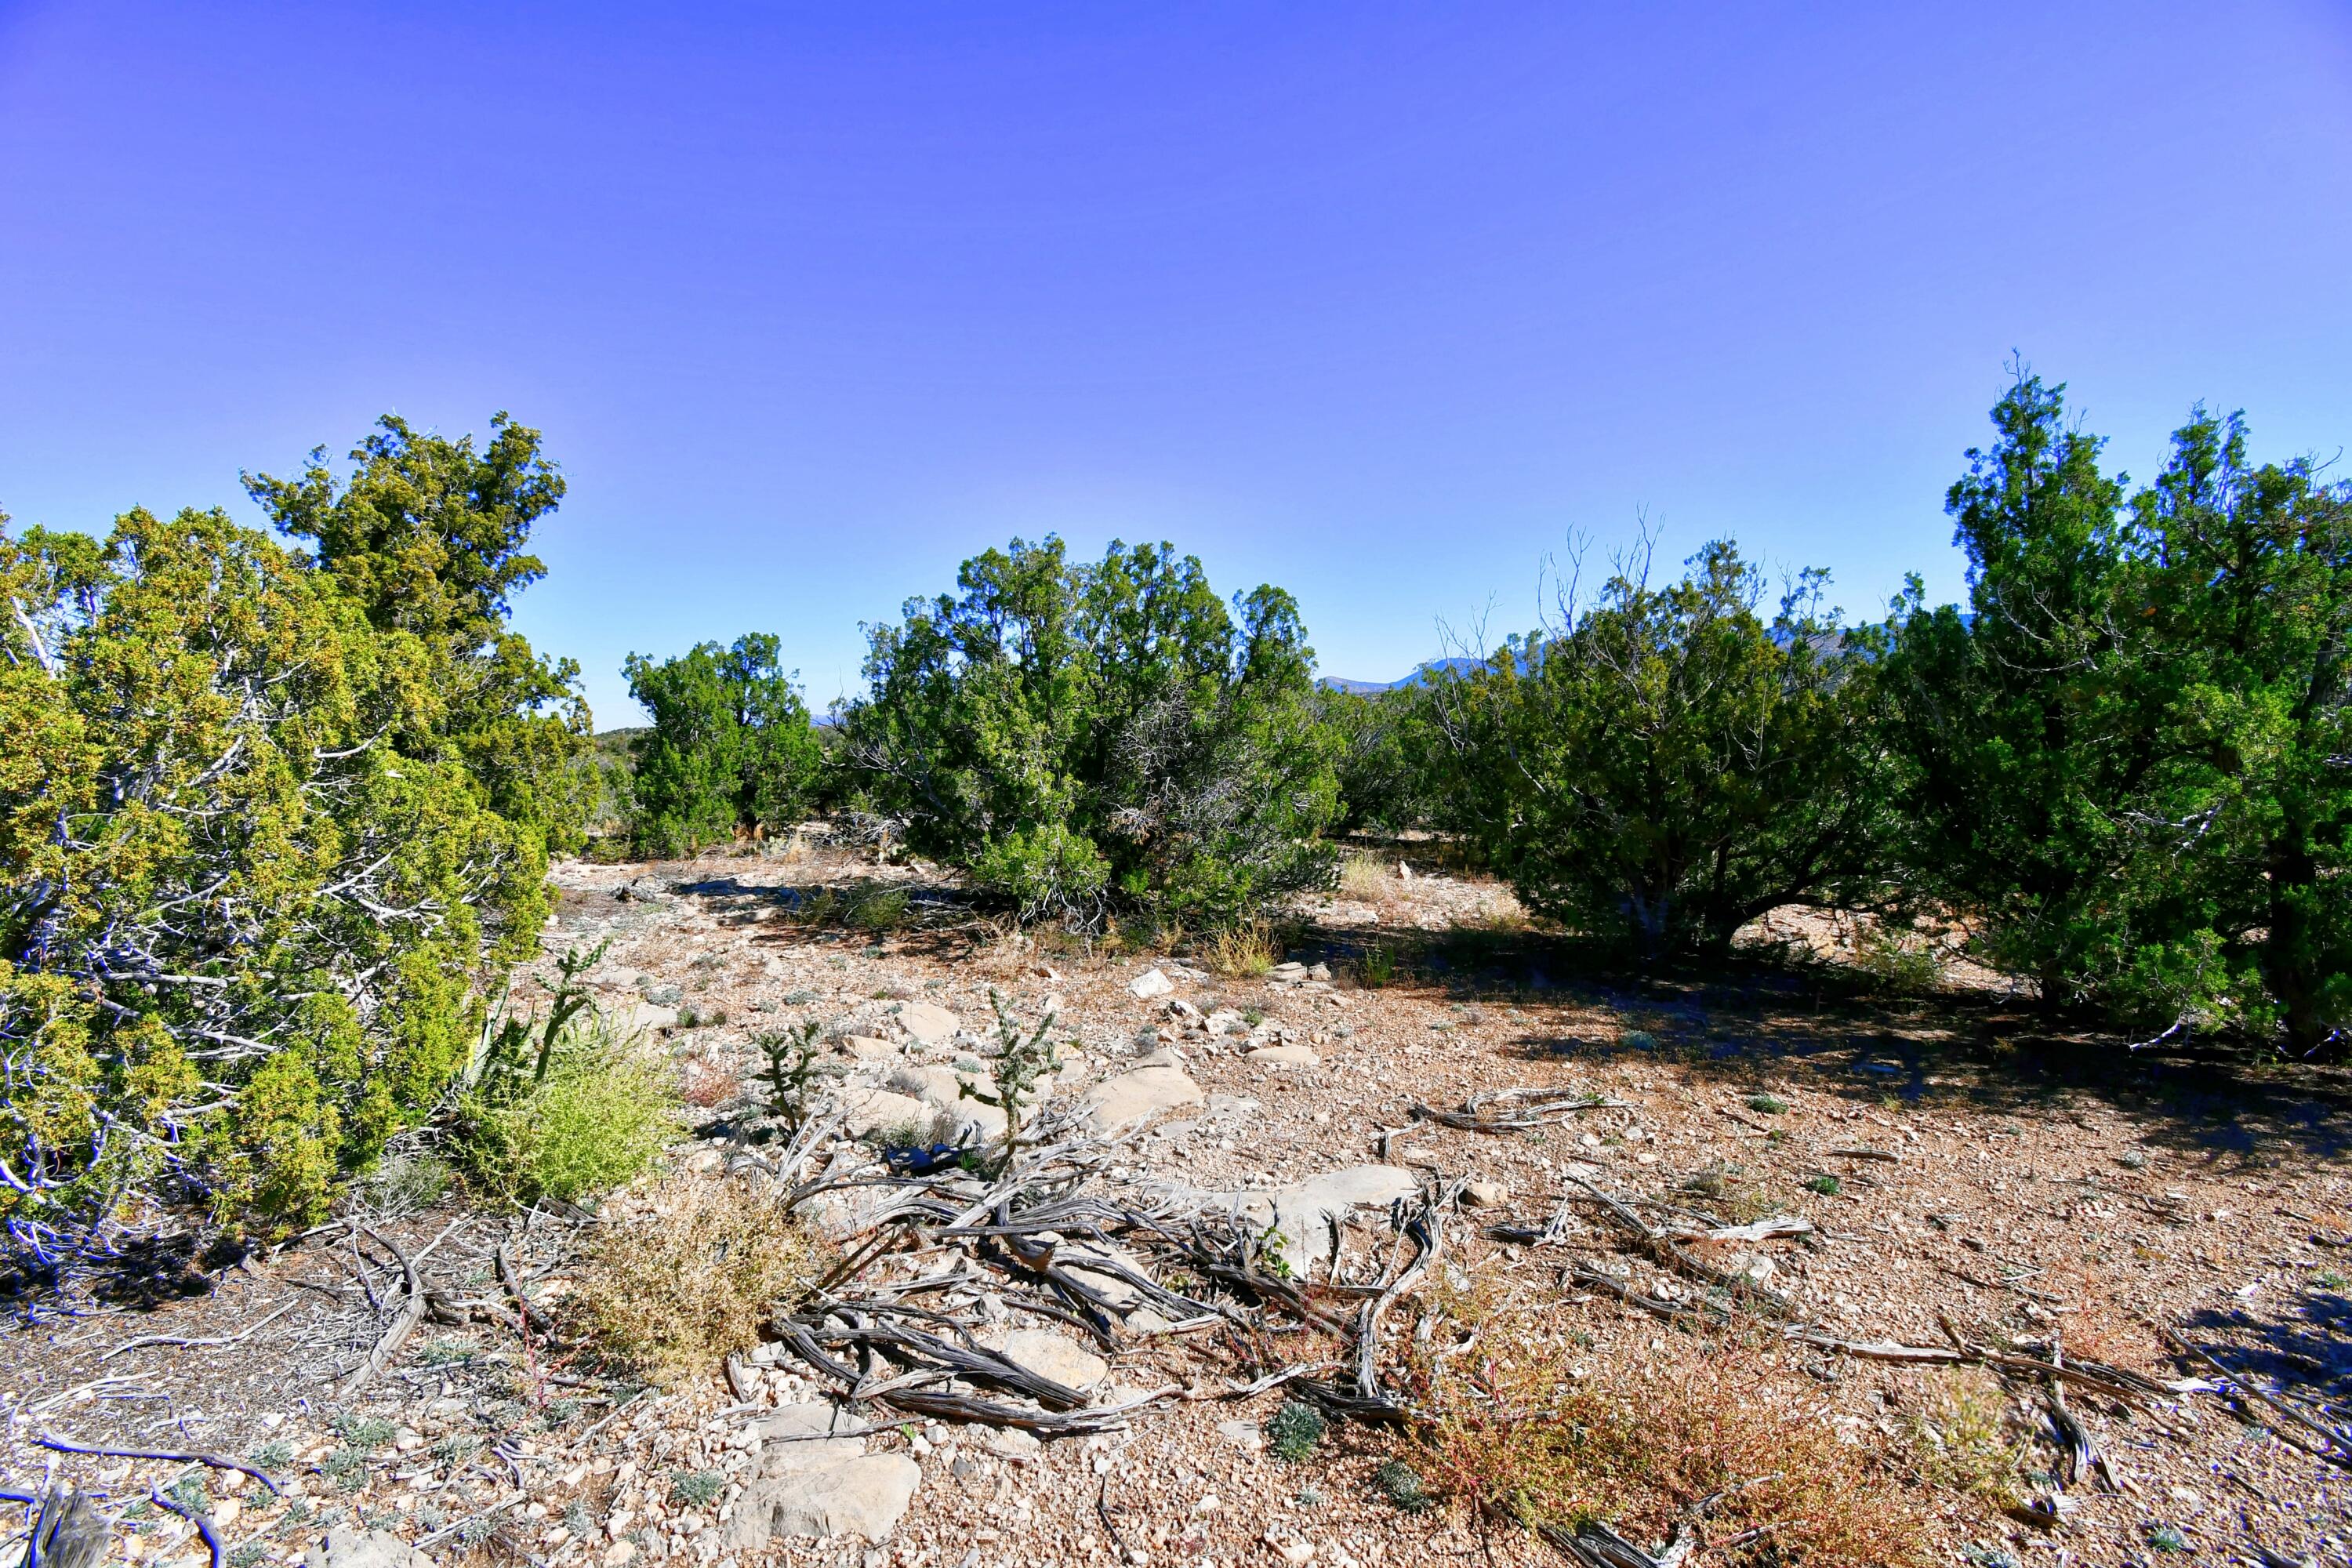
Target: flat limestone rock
<point x="940" y="1087"/>
<point x="813" y="1484"/>
<point x="643" y="1018"/>
<point x="1306" y="1213"/>
<point x="1284" y="1056"/>
<point x="1150" y="984"/>
<point x="1049" y="1354"/>
<point x="788" y="1443"/>
<point x="364" y="1549"/>
<point x="866" y="1048"/>
<point x="928" y="1021"/>
<point x="1158" y="1082"/>
<point x="864" y="1496"/>
<point x="871" y="1110"/>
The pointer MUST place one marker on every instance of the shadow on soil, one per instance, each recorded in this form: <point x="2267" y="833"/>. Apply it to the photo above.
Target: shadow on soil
<point x="1747" y="1018"/>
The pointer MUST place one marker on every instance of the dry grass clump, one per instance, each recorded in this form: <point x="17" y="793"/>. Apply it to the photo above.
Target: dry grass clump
<point x="689" y="1278"/>
<point x="1242" y="952"/>
<point x="1520" y="1436"/>
<point x="1368" y="879"/>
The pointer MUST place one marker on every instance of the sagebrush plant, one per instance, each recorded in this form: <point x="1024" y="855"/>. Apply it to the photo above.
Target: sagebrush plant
<point x="1517" y="1435"/>
<point x="689" y="1276"/>
<point x="1091" y="739"/>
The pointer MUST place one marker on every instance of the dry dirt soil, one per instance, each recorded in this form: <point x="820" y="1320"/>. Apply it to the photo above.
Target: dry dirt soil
<point x="1966" y="1173"/>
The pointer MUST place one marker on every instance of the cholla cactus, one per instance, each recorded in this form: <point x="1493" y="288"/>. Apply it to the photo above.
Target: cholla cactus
<point x="1022" y="1060"/>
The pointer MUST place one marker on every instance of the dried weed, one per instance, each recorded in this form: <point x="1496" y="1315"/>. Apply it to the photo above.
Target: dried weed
<point x="674" y="1288"/>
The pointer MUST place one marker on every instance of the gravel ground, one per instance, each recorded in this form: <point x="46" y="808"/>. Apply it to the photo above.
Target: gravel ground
<point x="1958" y="1161"/>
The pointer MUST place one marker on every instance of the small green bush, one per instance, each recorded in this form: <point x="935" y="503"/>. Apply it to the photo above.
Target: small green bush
<point x="600" y="1115"/>
<point x="1295" y="1431"/>
<point x="1402" y="1486"/>
<point x="1826" y="1185"/>
<point x="696" y="1488"/>
<point x="1770" y="1104"/>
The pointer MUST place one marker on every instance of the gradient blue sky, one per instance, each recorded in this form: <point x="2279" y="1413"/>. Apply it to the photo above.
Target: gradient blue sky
<point x="1375" y="302"/>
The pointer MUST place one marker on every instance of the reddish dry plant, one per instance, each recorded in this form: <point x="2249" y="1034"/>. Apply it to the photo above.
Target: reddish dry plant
<point x="1518" y="1436"/>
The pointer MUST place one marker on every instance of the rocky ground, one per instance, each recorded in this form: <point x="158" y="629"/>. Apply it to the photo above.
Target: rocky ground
<point x="1955" y="1170"/>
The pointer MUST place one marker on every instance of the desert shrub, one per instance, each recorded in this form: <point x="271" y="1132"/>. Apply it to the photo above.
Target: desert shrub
<point x="731" y="750"/>
<point x="1295" y="1431"/>
<point x="1091" y="738"/>
<point x="427" y="536"/>
<point x="2122" y="759"/>
<point x="249" y="876"/>
<point x="1386" y="749"/>
<point x="1897" y="960"/>
<point x="1367" y="879"/>
<point x="1666" y="765"/>
<point x="1244" y="950"/>
<point x="595" y="1112"/>
<point x="1964" y="1440"/>
<point x="1519" y="1437"/>
<point x="674" y="1288"/>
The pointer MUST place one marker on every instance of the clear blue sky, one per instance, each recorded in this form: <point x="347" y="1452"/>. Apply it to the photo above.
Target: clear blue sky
<point x="1374" y="303"/>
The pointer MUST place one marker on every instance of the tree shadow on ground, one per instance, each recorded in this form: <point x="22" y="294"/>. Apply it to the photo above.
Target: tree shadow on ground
<point x="1749" y="1017"/>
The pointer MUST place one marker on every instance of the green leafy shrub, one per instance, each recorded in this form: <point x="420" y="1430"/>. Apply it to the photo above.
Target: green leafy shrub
<point x="731" y="750"/>
<point x="232" y="809"/>
<point x="595" y="1113"/>
<point x="1090" y="739"/>
<point x="2121" y="762"/>
<point x="1669" y="766"/>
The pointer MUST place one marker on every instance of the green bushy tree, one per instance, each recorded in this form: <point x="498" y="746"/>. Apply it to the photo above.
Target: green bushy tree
<point x="429" y="536"/>
<point x="2249" y="607"/>
<point x="1386" y="744"/>
<point x="1089" y="736"/>
<point x="2051" y="784"/>
<point x="238" y="920"/>
<point x="2125" y="762"/>
<point x="730" y="750"/>
<point x="1667" y="765"/>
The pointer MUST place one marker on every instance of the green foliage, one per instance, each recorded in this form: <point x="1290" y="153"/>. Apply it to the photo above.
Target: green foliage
<point x="592" y="1112"/>
<point x="730" y="752"/>
<point x="244" y="891"/>
<point x="1402" y="1486"/>
<point x="427" y="537"/>
<point x="1092" y="737"/>
<point x="1387" y="756"/>
<point x="795" y="1071"/>
<point x="1295" y="1431"/>
<point x="2123" y="764"/>
<point x="1770" y="1104"/>
<point x="696" y="1488"/>
<point x="1669" y="766"/>
<point x="1826" y="1186"/>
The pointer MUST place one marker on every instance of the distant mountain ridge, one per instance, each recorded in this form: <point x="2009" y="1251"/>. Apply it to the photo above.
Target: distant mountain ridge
<point x="1420" y="676"/>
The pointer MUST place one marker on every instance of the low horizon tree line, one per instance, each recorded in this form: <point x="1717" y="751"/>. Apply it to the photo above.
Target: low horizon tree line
<point x="278" y="810"/>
